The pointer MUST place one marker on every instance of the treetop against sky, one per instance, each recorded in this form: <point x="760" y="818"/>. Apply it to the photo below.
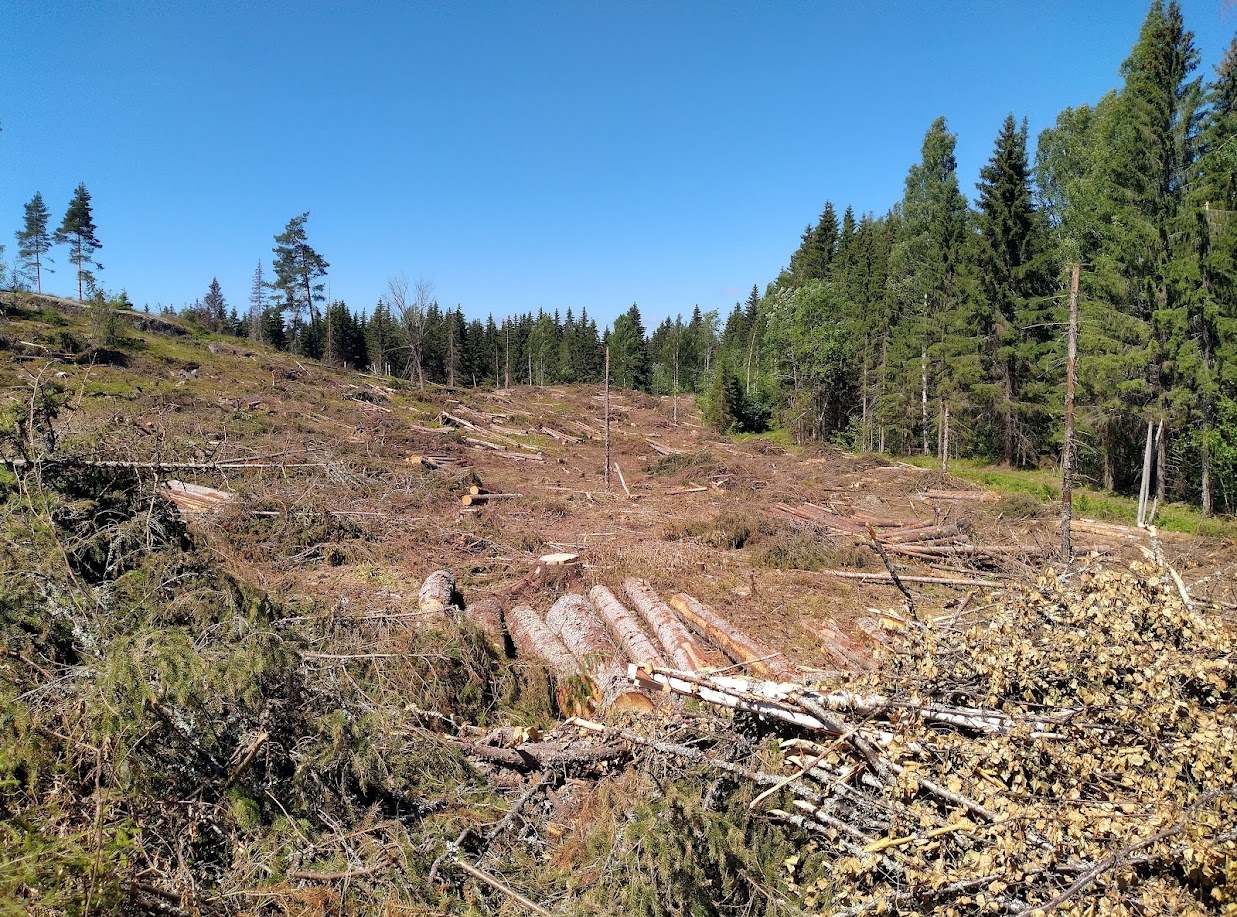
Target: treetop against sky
<point x="520" y="155"/>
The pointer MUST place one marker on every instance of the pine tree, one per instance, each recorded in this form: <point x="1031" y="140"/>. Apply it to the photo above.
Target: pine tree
<point x="34" y="241"/>
<point x="298" y="268"/>
<point x="78" y="232"/>
<point x="822" y="247"/>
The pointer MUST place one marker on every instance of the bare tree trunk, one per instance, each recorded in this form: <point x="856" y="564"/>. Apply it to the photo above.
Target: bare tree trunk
<point x="1144" y="489"/>
<point x="945" y="439"/>
<point x="865" y="438"/>
<point x="623" y="625"/>
<point x="1206" y="483"/>
<point x="741" y="648"/>
<point x="607" y="390"/>
<point x="1009" y="420"/>
<point x="532" y="638"/>
<point x="923" y="393"/>
<point x="1161" y="462"/>
<point x="1067" y="450"/>
<point x="574" y="620"/>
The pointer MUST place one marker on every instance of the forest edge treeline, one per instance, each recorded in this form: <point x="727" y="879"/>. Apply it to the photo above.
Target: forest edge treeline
<point x="935" y="326"/>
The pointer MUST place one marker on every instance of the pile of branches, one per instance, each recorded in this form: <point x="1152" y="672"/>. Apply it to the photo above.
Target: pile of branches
<point x="1077" y="746"/>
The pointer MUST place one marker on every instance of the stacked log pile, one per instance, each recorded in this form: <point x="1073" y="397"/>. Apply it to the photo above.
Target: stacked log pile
<point x="927" y="540"/>
<point x="1075" y="747"/>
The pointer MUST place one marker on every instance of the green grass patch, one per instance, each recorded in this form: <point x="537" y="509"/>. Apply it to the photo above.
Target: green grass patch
<point x="1089" y="502"/>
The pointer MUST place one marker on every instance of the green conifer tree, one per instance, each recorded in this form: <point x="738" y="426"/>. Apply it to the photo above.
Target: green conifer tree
<point x="77" y="230"/>
<point x="34" y="241"/>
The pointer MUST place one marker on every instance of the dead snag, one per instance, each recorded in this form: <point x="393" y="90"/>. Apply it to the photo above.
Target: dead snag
<point x="741" y="648"/>
<point x="574" y="619"/>
<point x="627" y="631"/>
<point x="438" y="593"/>
<point x="573" y="690"/>
<point x="487" y="616"/>
<point x="681" y="648"/>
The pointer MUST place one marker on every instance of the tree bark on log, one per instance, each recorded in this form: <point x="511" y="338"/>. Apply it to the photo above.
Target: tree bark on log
<point x="487" y="616"/>
<point x="574" y="691"/>
<point x="574" y="619"/>
<point x="926" y="533"/>
<point x="438" y="593"/>
<point x="626" y="630"/>
<point x="681" y="648"/>
<point x="741" y="648"/>
<point x="844" y="649"/>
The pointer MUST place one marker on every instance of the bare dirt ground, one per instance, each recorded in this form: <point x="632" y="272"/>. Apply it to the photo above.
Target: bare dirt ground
<point x="333" y="514"/>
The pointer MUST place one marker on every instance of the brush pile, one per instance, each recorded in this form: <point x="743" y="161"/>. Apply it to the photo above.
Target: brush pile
<point x="1075" y="749"/>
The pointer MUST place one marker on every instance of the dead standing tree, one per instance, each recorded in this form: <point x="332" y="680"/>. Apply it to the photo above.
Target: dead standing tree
<point x="411" y="303"/>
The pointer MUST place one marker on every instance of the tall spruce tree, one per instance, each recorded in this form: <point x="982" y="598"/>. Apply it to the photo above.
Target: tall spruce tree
<point x="1011" y="280"/>
<point x="1205" y="337"/>
<point x="77" y="230"/>
<point x="215" y="307"/>
<point x="923" y="278"/>
<point x="34" y="241"/>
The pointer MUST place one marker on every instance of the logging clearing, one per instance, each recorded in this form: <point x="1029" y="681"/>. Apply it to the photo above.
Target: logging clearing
<point x="329" y="670"/>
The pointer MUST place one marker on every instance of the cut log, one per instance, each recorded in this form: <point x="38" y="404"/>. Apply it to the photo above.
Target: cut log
<point x="663" y="450"/>
<point x="681" y="648"/>
<point x="741" y="648"/>
<point x="519" y="456"/>
<point x="844" y="649"/>
<point x="694" y="489"/>
<point x="574" y="619"/>
<point x="437" y="431"/>
<point x="484" y="443"/>
<point x="574" y="691"/>
<point x="622" y="623"/>
<point x="193" y="498"/>
<point x="478" y="499"/>
<point x="438" y="593"/>
<point x="926" y="533"/>
<point x="979" y="495"/>
<point x="434" y="461"/>
<point x="560" y="436"/>
<point x="882" y="578"/>
<point x="487" y="616"/>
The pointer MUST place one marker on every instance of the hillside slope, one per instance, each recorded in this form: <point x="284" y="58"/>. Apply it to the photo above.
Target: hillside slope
<point x="248" y="709"/>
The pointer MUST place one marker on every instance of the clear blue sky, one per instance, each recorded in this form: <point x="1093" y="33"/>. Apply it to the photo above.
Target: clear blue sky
<point x="518" y="154"/>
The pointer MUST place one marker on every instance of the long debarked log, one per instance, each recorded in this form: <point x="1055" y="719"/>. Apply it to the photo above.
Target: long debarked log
<point x="681" y="648"/>
<point x="626" y="630"/>
<point x="573" y="689"/>
<point x="885" y="578"/>
<point x="576" y="622"/>
<point x="733" y="642"/>
<point x="437" y="593"/>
